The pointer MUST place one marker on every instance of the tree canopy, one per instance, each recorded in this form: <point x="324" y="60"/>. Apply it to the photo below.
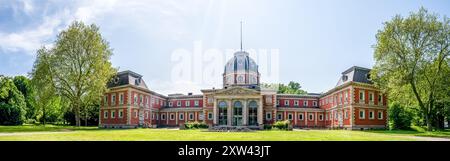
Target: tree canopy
<point x="291" y="88"/>
<point x="412" y="60"/>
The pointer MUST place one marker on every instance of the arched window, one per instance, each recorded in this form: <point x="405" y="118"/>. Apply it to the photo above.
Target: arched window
<point x="223" y="113"/>
<point x="253" y="113"/>
<point x="237" y="113"/>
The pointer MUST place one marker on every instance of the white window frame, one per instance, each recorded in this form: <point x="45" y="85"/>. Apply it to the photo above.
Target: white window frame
<point x="314" y="103"/>
<point x="191" y="116"/>
<point x="301" y="116"/>
<point x="105" y="100"/>
<point x="196" y="103"/>
<point x="268" y="115"/>
<point x="371" y="99"/>
<point x="105" y="114"/>
<point x="373" y="114"/>
<point x="113" y="99"/>
<point x="146" y="114"/>
<point x="296" y="103"/>
<point x="135" y="97"/>
<point x="141" y="100"/>
<point x="345" y="114"/>
<point x="290" y="116"/>
<point x="378" y="116"/>
<point x="279" y="116"/>
<point x="210" y="116"/>
<point x="136" y="113"/>
<point x="363" y="114"/>
<point x="286" y="102"/>
<point x="380" y="99"/>
<point x="311" y="117"/>
<point x="172" y="116"/>
<point x="178" y="103"/>
<point x="181" y="116"/>
<point x="113" y="114"/>
<point x="120" y="113"/>
<point x="362" y="95"/>
<point x="321" y="117"/>
<point x="278" y="102"/>
<point x="170" y="104"/>
<point x="153" y="116"/>
<point x="121" y="98"/>
<point x="305" y="103"/>
<point x="163" y="116"/>
<point x="345" y="97"/>
<point x="188" y="103"/>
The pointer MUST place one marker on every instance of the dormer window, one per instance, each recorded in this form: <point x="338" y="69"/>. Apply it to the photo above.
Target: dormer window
<point x="344" y="78"/>
<point x="368" y="76"/>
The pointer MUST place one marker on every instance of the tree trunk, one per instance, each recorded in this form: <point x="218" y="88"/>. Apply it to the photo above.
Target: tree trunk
<point x="428" y="121"/>
<point x="77" y="113"/>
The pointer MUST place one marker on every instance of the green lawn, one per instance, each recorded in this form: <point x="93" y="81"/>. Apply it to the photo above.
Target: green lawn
<point x="93" y="133"/>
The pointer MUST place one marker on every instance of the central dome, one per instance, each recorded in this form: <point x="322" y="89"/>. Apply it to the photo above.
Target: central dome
<point x="241" y="70"/>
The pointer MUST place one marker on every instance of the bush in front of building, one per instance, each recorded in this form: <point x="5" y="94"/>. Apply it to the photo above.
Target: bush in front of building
<point x="399" y="116"/>
<point x="195" y="125"/>
<point x="283" y="125"/>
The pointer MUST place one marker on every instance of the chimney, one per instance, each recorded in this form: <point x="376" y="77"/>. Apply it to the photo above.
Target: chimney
<point x="190" y="94"/>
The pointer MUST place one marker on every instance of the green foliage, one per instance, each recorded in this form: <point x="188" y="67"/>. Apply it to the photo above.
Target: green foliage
<point x="267" y="127"/>
<point x="195" y="125"/>
<point x="412" y="61"/>
<point x="282" y="125"/>
<point x="77" y="68"/>
<point x="399" y="116"/>
<point x="291" y="88"/>
<point x="24" y="86"/>
<point x="12" y="103"/>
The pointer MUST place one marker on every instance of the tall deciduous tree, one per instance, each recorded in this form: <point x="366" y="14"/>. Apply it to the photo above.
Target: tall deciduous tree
<point x="12" y="103"/>
<point x="412" y="57"/>
<point x="79" y="65"/>
<point x="24" y="86"/>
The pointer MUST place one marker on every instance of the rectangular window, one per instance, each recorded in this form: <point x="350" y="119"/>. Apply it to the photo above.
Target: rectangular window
<point x="121" y="98"/>
<point x="361" y="95"/>
<point x="289" y="116"/>
<point x="170" y="104"/>
<point x="340" y="98"/>
<point x="380" y="115"/>
<point x="305" y="103"/>
<point x="152" y="100"/>
<point x="320" y="117"/>
<point x="153" y="116"/>
<point x="113" y="99"/>
<point x="188" y="103"/>
<point x="311" y="117"/>
<point x="113" y="114"/>
<point x="345" y="114"/>
<point x="191" y="116"/>
<point x="210" y="116"/>
<point x="172" y="116"/>
<point x="286" y="102"/>
<point x="105" y="114"/>
<point x="210" y="100"/>
<point x="178" y="103"/>
<point x="201" y="116"/>
<point x="196" y="103"/>
<point x="146" y="115"/>
<point x="268" y="115"/>
<point x="371" y="115"/>
<point x="135" y="99"/>
<point x="345" y="97"/>
<point x="135" y="113"/>
<point x="314" y="103"/>
<point x="181" y="116"/>
<point x="362" y="114"/>
<point x="296" y="103"/>
<point x="105" y="100"/>
<point x="380" y="99"/>
<point x="278" y="102"/>
<point x="300" y="116"/>
<point x="120" y="113"/>
<point x="141" y="99"/>
<point x="371" y="97"/>
<point x="279" y="116"/>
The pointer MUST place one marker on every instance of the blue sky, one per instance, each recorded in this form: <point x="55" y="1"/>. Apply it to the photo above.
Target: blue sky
<point x="316" y="40"/>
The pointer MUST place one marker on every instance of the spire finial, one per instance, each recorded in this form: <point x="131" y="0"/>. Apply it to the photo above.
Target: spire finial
<point x="241" y="35"/>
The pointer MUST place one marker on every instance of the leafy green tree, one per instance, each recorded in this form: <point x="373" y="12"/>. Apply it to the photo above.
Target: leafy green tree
<point x="79" y="65"/>
<point x="24" y="86"/>
<point x="412" y="56"/>
<point x="291" y="88"/>
<point x="399" y="116"/>
<point x="12" y="103"/>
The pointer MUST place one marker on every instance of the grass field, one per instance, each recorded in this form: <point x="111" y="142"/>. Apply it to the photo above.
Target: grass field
<point x="28" y="132"/>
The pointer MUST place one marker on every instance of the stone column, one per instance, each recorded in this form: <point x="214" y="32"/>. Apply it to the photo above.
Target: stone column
<point x="244" y="113"/>
<point x="229" y="112"/>
<point x="260" y="112"/>
<point x="306" y="118"/>
<point x="176" y="117"/>
<point x="215" y="117"/>
<point x="295" y="118"/>
<point x="315" y="119"/>
<point x="167" y="118"/>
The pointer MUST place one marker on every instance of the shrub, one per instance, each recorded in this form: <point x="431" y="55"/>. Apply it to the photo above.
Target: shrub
<point x="195" y="125"/>
<point x="399" y="116"/>
<point x="282" y="125"/>
<point x="267" y="127"/>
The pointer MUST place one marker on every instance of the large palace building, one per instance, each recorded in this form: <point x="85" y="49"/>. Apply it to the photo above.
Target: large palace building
<point x="354" y="103"/>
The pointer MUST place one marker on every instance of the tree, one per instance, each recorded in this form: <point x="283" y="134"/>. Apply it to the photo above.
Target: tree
<point x="291" y="88"/>
<point x="24" y="86"/>
<point x="78" y="65"/>
<point x="12" y="103"/>
<point x="400" y="116"/>
<point x="412" y="55"/>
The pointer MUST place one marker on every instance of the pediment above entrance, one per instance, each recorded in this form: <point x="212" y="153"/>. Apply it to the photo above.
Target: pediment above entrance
<point x="237" y="91"/>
